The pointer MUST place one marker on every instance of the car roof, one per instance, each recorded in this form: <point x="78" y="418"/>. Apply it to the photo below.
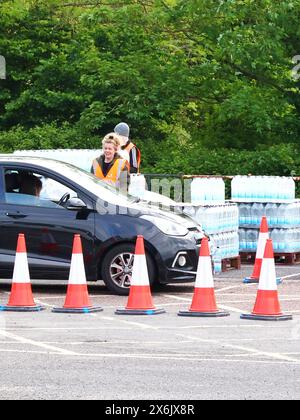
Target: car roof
<point x="32" y="160"/>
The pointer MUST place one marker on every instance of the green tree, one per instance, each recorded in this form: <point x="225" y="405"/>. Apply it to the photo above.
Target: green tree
<point x="188" y="76"/>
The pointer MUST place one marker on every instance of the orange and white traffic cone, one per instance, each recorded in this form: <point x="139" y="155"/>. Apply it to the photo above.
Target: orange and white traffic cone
<point x="21" y="298"/>
<point x="261" y="244"/>
<point x="140" y="299"/>
<point x="77" y="298"/>
<point x="204" y="300"/>
<point x="267" y="306"/>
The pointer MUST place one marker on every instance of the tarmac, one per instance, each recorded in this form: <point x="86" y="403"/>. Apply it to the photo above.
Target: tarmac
<point x="103" y="356"/>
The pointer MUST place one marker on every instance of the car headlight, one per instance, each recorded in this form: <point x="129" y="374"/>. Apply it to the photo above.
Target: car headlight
<point x="166" y="226"/>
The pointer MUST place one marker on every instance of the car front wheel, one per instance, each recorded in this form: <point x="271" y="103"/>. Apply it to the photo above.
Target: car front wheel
<point x="117" y="268"/>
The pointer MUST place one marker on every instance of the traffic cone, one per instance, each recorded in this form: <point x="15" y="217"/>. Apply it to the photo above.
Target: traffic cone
<point x="21" y="298"/>
<point x="204" y="300"/>
<point x="267" y="306"/>
<point x="139" y="299"/>
<point x="77" y="298"/>
<point x="261" y="244"/>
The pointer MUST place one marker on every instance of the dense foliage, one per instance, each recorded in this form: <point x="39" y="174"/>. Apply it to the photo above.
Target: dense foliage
<point x="206" y="85"/>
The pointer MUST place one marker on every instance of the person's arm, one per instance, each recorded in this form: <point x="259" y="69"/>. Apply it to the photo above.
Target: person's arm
<point x="133" y="157"/>
<point x="125" y="178"/>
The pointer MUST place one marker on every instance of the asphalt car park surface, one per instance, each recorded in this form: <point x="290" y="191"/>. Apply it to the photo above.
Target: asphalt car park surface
<point x="101" y="355"/>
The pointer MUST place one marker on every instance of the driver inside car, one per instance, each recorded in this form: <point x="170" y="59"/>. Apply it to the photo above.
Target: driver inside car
<point x="27" y="189"/>
<point x="30" y="185"/>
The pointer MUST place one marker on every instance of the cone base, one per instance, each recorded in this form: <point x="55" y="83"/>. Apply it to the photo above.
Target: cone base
<point x="250" y="280"/>
<point x="36" y="308"/>
<point x="139" y="311"/>
<point x="86" y="310"/>
<point x="204" y="314"/>
<point x="282" y="317"/>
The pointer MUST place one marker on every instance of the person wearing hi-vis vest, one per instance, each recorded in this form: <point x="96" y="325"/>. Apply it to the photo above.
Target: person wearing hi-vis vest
<point x="110" y="166"/>
<point x="122" y="129"/>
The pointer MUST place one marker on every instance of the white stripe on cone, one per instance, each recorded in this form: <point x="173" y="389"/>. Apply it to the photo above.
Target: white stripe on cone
<point x="262" y="239"/>
<point x="77" y="271"/>
<point x="204" y="278"/>
<point x="140" y="272"/>
<point x="21" y="270"/>
<point x="267" y="279"/>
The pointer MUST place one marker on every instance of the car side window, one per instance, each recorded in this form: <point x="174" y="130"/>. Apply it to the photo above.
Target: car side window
<point x="23" y="187"/>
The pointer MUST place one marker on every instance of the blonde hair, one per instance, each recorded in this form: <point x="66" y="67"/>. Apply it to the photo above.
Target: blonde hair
<point x="112" y="138"/>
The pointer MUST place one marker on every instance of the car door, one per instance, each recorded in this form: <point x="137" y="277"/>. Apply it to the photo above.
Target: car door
<point x="49" y="227"/>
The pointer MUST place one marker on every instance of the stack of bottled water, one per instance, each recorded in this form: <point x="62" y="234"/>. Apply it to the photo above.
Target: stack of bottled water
<point x="226" y="244"/>
<point x="218" y="218"/>
<point x="278" y="215"/>
<point x="221" y="223"/>
<point x="284" y="240"/>
<point x="207" y="190"/>
<point x="275" y="199"/>
<point x="272" y="189"/>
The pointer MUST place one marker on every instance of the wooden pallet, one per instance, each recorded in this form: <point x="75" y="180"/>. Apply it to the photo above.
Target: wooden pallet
<point x="233" y="263"/>
<point x="284" y="258"/>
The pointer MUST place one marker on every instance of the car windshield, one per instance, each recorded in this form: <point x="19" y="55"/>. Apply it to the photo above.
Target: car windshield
<point x="97" y="186"/>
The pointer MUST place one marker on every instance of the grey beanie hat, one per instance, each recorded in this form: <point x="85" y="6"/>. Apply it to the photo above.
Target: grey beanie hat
<point x="122" y="129"/>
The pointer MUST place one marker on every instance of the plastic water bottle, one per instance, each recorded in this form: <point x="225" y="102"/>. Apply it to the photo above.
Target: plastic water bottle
<point x="289" y="188"/>
<point x="242" y="239"/>
<point x="281" y="215"/>
<point x="251" y="239"/>
<point x="271" y="213"/>
<point x="257" y="211"/>
<point x="217" y="261"/>
<point x="235" y="244"/>
<point x="137" y="185"/>
<point x="275" y="236"/>
<point x="221" y="190"/>
<point x="245" y="214"/>
<point x="281" y="240"/>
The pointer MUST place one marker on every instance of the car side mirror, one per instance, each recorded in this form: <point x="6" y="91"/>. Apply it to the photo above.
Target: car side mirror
<point x="75" y="204"/>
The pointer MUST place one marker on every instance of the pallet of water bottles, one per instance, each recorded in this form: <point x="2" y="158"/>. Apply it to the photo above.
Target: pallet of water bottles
<point x="262" y="189"/>
<point x="231" y="263"/>
<point x="215" y="218"/>
<point x="283" y="258"/>
<point x="285" y="241"/>
<point x="225" y="251"/>
<point x="279" y="215"/>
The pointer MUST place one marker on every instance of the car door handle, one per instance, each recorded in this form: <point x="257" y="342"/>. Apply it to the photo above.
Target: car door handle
<point x="16" y="215"/>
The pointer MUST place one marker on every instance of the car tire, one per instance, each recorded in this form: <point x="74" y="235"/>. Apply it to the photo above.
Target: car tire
<point x="117" y="267"/>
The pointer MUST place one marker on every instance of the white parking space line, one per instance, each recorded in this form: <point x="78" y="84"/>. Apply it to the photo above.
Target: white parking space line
<point x="177" y="298"/>
<point x="290" y="276"/>
<point x="228" y="308"/>
<point x="135" y="324"/>
<point x="234" y="287"/>
<point x="35" y="343"/>
<point x="42" y="303"/>
<point x="146" y="356"/>
<point x="67" y="328"/>
<point x="221" y="326"/>
<point x="272" y="355"/>
<point x="185" y="358"/>
<point x="51" y="349"/>
<point x="25" y="351"/>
